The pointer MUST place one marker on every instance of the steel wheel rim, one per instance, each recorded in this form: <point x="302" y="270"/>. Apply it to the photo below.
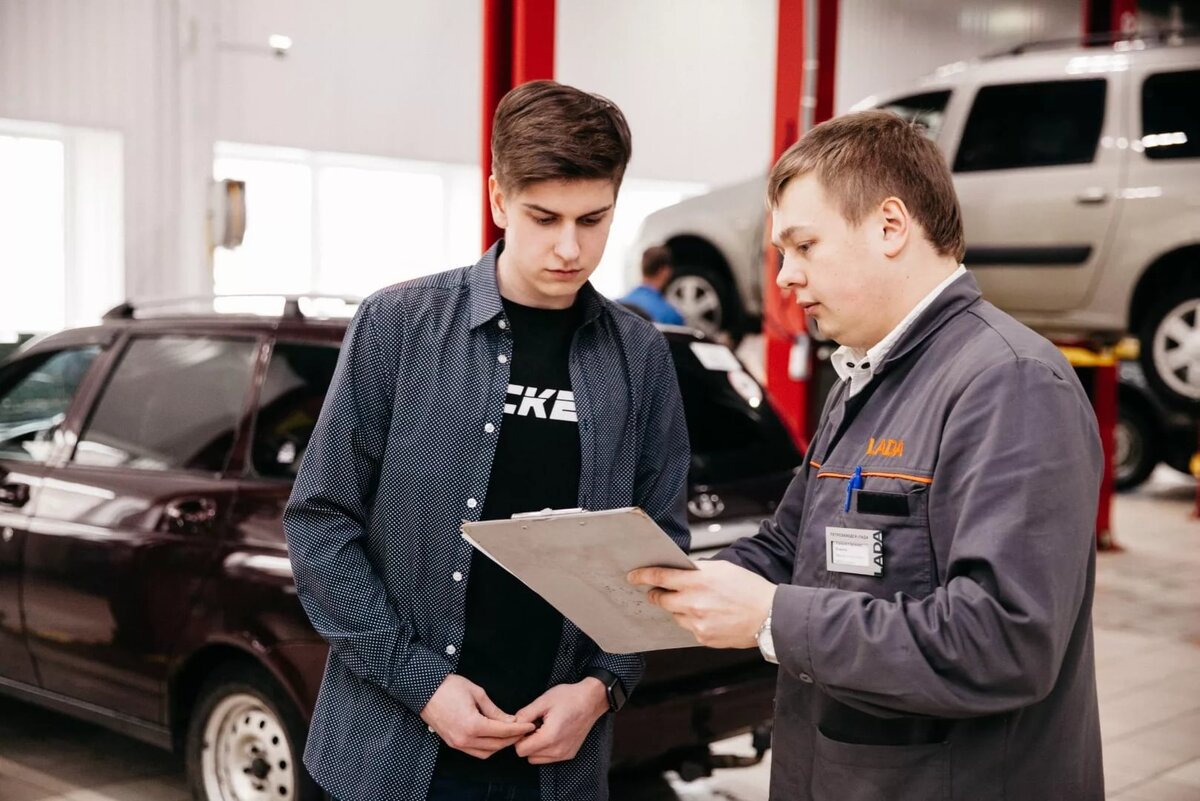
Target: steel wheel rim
<point x="1177" y="349"/>
<point x="697" y="300"/>
<point x="246" y="755"/>
<point x="1127" y="449"/>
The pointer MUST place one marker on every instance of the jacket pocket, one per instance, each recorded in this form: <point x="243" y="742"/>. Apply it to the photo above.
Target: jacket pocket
<point x="908" y="561"/>
<point x="849" y="772"/>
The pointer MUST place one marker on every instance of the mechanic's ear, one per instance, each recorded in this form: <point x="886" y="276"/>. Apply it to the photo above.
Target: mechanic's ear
<point x="896" y="223"/>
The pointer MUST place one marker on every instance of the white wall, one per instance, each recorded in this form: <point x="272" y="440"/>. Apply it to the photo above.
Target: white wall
<point x="119" y="65"/>
<point x="694" y="77"/>
<point x="884" y="46"/>
<point x="376" y="77"/>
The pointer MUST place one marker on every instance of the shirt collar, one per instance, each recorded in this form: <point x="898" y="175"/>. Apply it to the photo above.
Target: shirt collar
<point x="484" y="291"/>
<point x="848" y="362"/>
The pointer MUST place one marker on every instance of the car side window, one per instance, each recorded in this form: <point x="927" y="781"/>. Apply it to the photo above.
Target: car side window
<point x="35" y="394"/>
<point x="926" y="110"/>
<point x="1044" y="124"/>
<point x="1171" y="115"/>
<point x="172" y="403"/>
<point x="289" y="404"/>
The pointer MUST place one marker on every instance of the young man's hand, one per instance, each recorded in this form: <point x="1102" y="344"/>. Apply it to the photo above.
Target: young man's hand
<point x="461" y="713"/>
<point x="721" y="603"/>
<point x="567" y="713"/>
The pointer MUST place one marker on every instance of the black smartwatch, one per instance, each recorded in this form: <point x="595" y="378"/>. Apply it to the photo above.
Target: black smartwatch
<point x="612" y="688"/>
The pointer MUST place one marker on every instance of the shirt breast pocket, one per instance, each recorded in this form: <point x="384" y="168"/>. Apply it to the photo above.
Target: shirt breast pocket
<point x="901" y="515"/>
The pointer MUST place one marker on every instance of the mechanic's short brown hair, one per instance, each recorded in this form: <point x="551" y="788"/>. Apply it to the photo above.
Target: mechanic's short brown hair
<point x="547" y="131"/>
<point x="862" y="159"/>
<point x="654" y="259"/>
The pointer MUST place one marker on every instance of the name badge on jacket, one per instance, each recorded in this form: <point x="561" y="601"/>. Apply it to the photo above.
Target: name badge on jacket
<point x="854" y="550"/>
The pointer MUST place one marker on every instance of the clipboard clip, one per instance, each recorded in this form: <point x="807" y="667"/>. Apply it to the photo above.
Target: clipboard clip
<point x="549" y="513"/>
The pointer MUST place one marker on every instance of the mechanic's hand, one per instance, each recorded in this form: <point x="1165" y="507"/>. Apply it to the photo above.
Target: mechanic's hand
<point x="461" y="713"/>
<point x="721" y="603"/>
<point x="567" y="713"/>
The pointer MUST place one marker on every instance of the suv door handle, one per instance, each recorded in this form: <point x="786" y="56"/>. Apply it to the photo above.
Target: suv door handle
<point x="14" y="494"/>
<point x="1091" y="196"/>
<point x="190" y="515"/>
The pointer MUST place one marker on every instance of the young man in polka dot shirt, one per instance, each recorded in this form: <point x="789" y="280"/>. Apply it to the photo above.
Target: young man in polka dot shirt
<point x="504" y="387"/>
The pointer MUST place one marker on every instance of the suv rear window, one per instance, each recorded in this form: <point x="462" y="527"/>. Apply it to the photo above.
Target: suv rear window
<point x="925" y="110"/>
<point x="290" y="401"/>
<point x="1171" y="115"/>
<point x="1032" y="125"/>
<point x="172" y="403"/>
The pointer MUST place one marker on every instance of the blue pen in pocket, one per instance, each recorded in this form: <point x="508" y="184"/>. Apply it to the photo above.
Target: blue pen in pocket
<point x="855" y="483"/>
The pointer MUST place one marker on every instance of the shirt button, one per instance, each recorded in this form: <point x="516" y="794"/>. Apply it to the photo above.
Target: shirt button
<point x="472" y="503"/>
<point x="450" y="649"/>
<point x="489" y="428"/>
<point x="503" y="324"/>
<point x="430" y="729"/>
<point x="456" y="576"/>
<point x="502" y="359"/>
<point x="804" y="677"/>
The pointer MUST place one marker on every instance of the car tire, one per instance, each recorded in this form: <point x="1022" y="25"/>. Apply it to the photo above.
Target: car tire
<point x="706" y="299"/>
<point x="1170" y="347"/>
<point x="1136" y="449"/>
<point x="245" y="739"/>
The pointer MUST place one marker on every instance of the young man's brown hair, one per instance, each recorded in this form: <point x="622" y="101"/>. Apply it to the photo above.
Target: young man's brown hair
<point x="546" y="131"/>
<point x="862" y="159"/>
<point x="654" y="259"/>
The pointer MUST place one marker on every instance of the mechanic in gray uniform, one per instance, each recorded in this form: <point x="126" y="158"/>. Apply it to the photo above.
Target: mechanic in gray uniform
<point x="926" y="583"/>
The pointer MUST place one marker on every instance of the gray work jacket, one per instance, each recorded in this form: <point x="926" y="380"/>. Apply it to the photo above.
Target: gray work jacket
<point x="966" y="670"/>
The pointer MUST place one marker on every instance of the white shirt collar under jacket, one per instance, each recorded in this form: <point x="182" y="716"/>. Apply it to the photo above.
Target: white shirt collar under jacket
<point x="858" y="367"/>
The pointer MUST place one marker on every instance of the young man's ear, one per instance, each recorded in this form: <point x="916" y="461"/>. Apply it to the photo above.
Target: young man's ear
<point x="497" y="200"/>
<point x="897" y="225"/>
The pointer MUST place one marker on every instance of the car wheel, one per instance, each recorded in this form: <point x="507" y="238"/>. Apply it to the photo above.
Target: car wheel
<point x="705" y="298"/>
<point x="1136" y="451"/>
<point x="1170" y="347"/>
<point x="245" y="740"/>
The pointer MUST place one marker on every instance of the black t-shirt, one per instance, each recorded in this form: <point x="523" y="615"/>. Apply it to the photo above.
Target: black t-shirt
<point x="512" y="635"/>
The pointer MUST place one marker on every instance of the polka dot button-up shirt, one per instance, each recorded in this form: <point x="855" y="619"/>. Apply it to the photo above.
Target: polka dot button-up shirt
<point x="400" y="457"/>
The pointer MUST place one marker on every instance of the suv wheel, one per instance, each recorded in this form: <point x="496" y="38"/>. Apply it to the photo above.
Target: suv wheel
<point x="705" y="298"/>
<point x="1170" y="347"/>
<point x="244" y="741"/>
<point x="1136" y="453"/>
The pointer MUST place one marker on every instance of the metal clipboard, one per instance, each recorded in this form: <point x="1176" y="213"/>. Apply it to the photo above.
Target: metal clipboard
<point x="577" y="561"/>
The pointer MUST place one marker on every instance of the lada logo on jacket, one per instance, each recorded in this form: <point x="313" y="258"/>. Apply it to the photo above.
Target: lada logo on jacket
<point x="885" y="447"/>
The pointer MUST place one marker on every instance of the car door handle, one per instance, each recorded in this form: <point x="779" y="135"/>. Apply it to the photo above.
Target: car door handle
<point x="1091" y="196"/>
<point x="190" y="515"/>
<point x="14" y="494"/>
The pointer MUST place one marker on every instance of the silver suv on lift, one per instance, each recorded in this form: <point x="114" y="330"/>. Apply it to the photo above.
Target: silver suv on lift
<point x="1078" y="171"/>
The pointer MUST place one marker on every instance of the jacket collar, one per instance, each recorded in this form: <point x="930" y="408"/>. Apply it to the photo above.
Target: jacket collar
<point x="954" y="299"/>
<point x="484" y="292"/>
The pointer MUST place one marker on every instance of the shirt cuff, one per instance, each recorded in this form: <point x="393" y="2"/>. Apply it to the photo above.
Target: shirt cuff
<point x="420" y="677"/>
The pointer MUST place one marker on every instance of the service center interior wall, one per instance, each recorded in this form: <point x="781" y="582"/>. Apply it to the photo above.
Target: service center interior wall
<point x="695" y="78"/>
<point x="885" y="46"/>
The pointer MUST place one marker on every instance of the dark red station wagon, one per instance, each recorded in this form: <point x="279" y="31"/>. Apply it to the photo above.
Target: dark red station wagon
<point x="144" y="578"/>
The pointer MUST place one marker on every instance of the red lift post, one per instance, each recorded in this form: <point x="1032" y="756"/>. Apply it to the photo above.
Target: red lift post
<point x="789" y="355"/>
<point x="518" y="47"/>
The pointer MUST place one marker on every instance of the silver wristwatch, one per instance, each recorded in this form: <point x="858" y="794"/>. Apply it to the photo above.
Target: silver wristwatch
<point x="766" y="643"/>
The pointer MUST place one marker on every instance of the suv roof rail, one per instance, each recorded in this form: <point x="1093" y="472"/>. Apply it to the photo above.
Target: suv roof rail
<point x="248" y="303"/>
<point x="1158" y="36"/>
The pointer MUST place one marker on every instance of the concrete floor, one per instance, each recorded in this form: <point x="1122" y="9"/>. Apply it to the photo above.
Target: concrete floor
<point x="1147" y="621"/>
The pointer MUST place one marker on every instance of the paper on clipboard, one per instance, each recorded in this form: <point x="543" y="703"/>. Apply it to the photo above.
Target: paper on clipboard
<point x="577" y="561"/>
